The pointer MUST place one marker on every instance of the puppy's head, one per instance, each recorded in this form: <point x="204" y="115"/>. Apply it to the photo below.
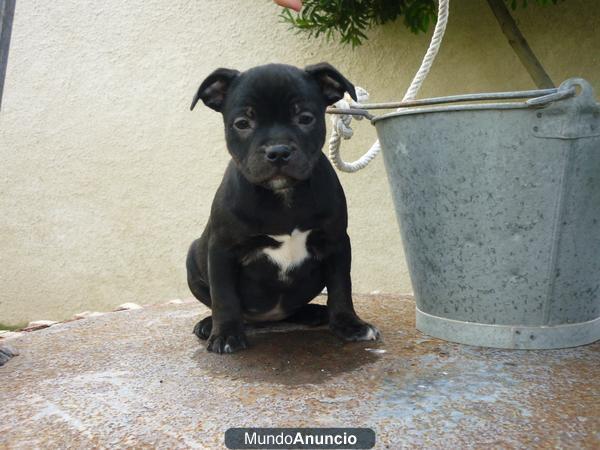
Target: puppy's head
<point x="274" y="117"/>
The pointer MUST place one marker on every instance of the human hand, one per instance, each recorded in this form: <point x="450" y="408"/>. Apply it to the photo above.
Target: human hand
<point x="296" y="5"/>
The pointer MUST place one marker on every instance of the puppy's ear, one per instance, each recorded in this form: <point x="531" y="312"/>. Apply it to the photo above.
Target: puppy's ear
<point x="213" y="90"/>
<point x="333" y="84"/>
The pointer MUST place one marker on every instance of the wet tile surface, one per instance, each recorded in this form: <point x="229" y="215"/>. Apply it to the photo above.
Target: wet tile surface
<point x="141" y="379"/>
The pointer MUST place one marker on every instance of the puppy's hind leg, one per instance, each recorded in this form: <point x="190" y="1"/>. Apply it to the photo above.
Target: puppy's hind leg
<point x="201" y="291"/>
<point x="203" y="328"/>
<point x="196" y="281"/>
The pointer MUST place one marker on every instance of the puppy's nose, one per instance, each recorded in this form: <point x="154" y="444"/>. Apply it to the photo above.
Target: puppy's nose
<point x="278" y="154"/>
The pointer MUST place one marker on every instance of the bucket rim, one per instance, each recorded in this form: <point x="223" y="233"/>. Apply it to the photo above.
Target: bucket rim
<point x="523" y="337"/>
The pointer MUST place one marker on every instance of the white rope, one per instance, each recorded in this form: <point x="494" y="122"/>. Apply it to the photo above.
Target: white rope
<point x="341" y="123"/>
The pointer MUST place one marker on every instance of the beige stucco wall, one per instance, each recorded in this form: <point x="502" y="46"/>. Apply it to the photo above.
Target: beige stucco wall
<point x="107" y="176"/>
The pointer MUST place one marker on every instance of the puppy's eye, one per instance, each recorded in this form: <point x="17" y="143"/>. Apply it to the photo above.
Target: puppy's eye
<point x="242" y="124"/>
<point x="305" y="118"/>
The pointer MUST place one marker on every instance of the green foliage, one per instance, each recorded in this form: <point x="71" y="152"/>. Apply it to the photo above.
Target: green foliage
<point x="4" y="326"/>
<point x="349" y="20"/>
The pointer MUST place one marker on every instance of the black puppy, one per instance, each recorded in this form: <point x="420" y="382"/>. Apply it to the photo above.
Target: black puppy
<point x="276" y="235"/>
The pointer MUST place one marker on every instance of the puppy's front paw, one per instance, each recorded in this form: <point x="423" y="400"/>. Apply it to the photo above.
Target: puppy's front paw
<point x="350" y="328"/>
<point x="227" y="340"/>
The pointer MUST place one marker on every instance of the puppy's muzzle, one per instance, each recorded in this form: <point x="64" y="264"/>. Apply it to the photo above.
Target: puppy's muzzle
<point x="278" y="155"/>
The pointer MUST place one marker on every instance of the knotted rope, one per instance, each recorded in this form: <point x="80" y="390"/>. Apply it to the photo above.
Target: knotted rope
<point x="341" y="123"/>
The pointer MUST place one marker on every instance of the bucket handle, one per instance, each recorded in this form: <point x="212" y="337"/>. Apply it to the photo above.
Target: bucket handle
<point x="536" y="98"/>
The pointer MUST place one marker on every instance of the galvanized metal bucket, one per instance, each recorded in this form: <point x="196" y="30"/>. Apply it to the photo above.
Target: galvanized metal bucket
<point x="499" y="209"/>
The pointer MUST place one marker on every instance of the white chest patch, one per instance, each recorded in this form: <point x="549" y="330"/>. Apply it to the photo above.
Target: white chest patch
<point x="291" y="252"/>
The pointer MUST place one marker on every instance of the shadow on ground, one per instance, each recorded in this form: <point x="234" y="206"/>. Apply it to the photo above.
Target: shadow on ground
<point x="289" y="356"/>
